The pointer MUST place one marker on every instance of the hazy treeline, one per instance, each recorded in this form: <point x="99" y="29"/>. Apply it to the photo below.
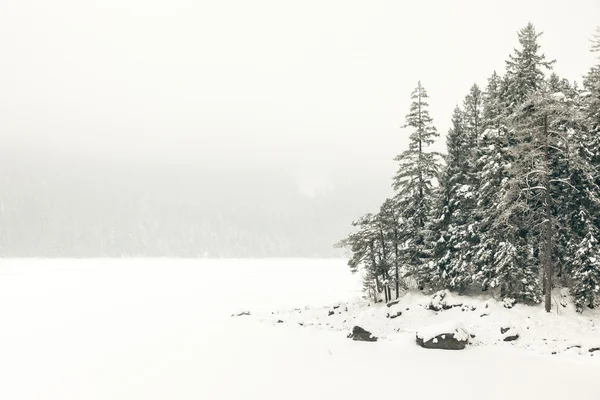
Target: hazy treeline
<point x="62" y="207"/>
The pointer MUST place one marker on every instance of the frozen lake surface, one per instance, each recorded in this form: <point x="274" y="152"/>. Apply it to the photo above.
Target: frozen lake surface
<point x="161" y="329"/>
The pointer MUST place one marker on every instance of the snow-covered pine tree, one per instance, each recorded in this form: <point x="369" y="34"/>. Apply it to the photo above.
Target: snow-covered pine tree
<point x="451" y="267"/>
<point x="417" y="169"/>
<point x="493" y="108"/>
<point x="544" y="170"/>
<point x="500" y="207"/>
<point x="525" y="68"/>
<point x="473" y="115"/>
<point x="595" y="47"/>
<point x="493" y="161"/>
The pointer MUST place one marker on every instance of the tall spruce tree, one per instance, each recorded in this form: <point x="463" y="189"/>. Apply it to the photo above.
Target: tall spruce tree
<point x="508" y="226"/>
<point x="492" y="165"/>
<point x="539" y="154"/>
<point x="452" y="266"/>
<point x="418" y="167"/>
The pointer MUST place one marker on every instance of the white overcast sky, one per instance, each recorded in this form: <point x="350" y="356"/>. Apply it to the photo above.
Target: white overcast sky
<point x="307" y="84"/>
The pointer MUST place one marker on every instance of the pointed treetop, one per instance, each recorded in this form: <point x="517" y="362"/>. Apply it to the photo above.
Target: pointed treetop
<point x="524" y="68"/>
<point x="595" y="48"/>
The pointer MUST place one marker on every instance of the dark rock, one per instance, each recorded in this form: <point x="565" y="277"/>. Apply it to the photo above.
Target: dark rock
<point x="241" y="314"/>
<point x="504" y="330"/>
<point x="360" y="334"/>
<point x="346" y="308"/>
<point x="301" y="323"/>
<point x="472" y="336"/>
<point x="593" y="349"/>
<point x="511" y="338"/>
<point x="573" y="347"/>
<point x="443" y="341"/>
<point x="330" y="313"/>
<point x="484" y="315"/>
<point x="392" y="316"/>
<point x="393" y="303"/>
<point x="279" y="321"/>
<point x="336" y="307"/>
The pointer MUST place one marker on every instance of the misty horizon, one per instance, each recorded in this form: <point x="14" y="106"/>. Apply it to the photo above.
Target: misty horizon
<point x="295" y="105"/>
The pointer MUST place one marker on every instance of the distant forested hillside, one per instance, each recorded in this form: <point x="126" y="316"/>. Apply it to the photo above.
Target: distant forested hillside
<point x="65" y="207"/>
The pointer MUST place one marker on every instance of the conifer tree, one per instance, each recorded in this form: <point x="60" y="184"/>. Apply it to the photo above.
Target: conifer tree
<point x="452" y="265"/>
<point x="507" y="223"/>
<point x="473" y="115"/>
<point x="492" y="102"/>
<point x="417" y="169"/>
<point x="525" y="68"/>
<point x="492" y="165"/>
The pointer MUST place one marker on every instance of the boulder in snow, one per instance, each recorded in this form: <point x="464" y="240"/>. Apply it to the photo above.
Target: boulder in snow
<point x="509" y="334"/>
<point x="444" y="336"/>
<point x="360" y="334"/>
<point x="394" y="315"/>
<point x="393" y="303"/>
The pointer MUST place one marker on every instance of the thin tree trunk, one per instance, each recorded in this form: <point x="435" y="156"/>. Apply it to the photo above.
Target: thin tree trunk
<point x="547" y="260"/>
<point x="396" y="263"/>
<point x="385" y="293"/>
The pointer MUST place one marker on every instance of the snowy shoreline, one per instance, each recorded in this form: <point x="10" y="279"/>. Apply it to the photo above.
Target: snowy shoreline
<point x="489" y="321"/>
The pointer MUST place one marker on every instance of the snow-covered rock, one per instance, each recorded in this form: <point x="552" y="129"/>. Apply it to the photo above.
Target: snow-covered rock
<point x="445" y="336"/>
<point x="362" y="335"/>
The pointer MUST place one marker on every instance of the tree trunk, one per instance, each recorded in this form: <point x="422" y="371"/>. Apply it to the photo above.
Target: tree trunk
<point x="547" y="259"/>
<point x="396" y="263"/>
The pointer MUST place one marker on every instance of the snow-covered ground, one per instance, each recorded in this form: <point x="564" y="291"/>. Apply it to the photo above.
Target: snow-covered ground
<point x="161" y="329"/>
<point x="561" y="333"/>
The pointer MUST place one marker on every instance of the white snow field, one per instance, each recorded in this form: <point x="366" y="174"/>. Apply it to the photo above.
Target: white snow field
<point x="162" y="329"/>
